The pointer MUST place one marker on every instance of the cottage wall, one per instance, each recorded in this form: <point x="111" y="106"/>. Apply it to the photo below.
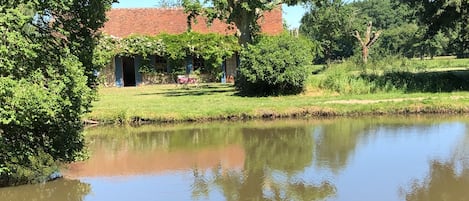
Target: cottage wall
<point x="152" y="21"/>
<point x="107" y="76"/>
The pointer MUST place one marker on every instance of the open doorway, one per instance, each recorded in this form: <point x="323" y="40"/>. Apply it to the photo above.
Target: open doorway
<point x="128" y="67"/>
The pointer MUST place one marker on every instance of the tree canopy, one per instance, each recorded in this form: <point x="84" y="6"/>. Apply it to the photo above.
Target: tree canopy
<point x="409" y="28"/>
<point x="245" y="14"/>
<point x="46" y="71"/>
<point x="451" y="16"/>
<point x="331" y="26"/>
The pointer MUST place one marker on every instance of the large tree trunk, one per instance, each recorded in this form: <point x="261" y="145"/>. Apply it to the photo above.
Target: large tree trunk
<point x="244" y="24"/>
<point x="244" y="34"/>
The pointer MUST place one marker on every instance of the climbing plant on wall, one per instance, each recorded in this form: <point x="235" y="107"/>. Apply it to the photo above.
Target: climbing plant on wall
<point x="141" y="45"/>
<point x="213" y="48"/>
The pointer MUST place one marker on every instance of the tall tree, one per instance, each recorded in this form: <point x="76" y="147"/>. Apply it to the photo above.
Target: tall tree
<point x="45" y="72"/>
<point x="330" y="26"/>
<point x="447" y="15"/>
<point x="244" y="14"/>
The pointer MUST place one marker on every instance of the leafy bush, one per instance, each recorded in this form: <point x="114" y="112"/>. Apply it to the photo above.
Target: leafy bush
<point x="41" y="125"/>
<point x="46" y="71"/>
<point x="275" y="65"/>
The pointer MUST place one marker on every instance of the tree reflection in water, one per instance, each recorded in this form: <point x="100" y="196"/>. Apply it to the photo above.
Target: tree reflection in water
<point x="336" y="142"/>
<point x="200" y="187"/>
<point x="269" y="152"/>
<point x="59" y="190"/>
<point x="447" y="180"/>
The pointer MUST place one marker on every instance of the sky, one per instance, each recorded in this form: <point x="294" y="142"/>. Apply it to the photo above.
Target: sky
<point x="292" y="14"/>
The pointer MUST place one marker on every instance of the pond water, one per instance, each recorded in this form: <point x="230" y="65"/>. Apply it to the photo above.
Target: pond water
<point x="398" y="158"/>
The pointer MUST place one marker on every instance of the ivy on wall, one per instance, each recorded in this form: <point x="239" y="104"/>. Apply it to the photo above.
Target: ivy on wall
<point x="213" y="48"/>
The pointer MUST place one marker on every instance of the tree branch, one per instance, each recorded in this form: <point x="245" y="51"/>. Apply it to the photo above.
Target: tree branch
<point x="368" y="32"/>
<point x="357" y="35"/>
<point x="374" y="38"/>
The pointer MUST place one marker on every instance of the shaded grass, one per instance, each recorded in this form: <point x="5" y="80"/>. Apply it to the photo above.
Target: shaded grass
<point x="435" y="81"/>
<point x="393" y="63"/>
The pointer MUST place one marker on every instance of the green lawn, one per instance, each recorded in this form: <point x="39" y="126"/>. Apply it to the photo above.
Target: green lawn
<point x="218" y="101"/>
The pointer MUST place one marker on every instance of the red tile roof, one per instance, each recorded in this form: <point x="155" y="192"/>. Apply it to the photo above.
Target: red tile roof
<point x="151" y="21"/>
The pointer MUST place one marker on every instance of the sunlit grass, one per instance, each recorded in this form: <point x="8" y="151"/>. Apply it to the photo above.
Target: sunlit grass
<point x="219" y="101"/>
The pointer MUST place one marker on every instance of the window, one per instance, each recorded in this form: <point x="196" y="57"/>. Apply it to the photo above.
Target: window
<point x="198" y="63"/>
<point x="160" y="64"/>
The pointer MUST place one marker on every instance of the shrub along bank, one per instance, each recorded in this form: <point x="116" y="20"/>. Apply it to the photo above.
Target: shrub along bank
<point x="275" y="65"/>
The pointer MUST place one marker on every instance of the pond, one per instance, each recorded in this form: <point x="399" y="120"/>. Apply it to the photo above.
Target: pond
<point x="375" y="158"/>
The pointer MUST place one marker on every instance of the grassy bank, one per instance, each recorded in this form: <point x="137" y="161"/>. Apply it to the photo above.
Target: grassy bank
<point x="411" y="86"/>
<point x="168" y="103"/>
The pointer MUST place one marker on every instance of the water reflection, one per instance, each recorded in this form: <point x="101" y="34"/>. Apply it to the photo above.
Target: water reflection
<point x="293" y="160"/>
<point x="447" y="180"/>
<point x="137" y="152"/>
<point x="269" y="153"/>
<point x="343" y="159"/>
<point x="337" y="141"/>
<point x="273" y="151"/>
<point x="58" y="190"/>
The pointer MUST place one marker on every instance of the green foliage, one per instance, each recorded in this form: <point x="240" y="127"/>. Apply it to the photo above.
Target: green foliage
<point x="384" y="14"/>
<point x="104" y="51"/>
<point x="451" y="16"/>
<point x="339" y="79"/>
<point x="331" y="24"/>
<point x="45" y="74"/>
<point x="331" y="27"/>
<point x="213" y="48"/>
<point x="245" y="14"/>
<point x="441" y="14"/>
<point x="40" y="124"/>
<point x="459" y="37"/>
<point x="141" y="45"/>
<point x="398" y="40"/>
<point x="276" y="65"/>
<point x="76" y="23"/>
<point x="38" y="168"/>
